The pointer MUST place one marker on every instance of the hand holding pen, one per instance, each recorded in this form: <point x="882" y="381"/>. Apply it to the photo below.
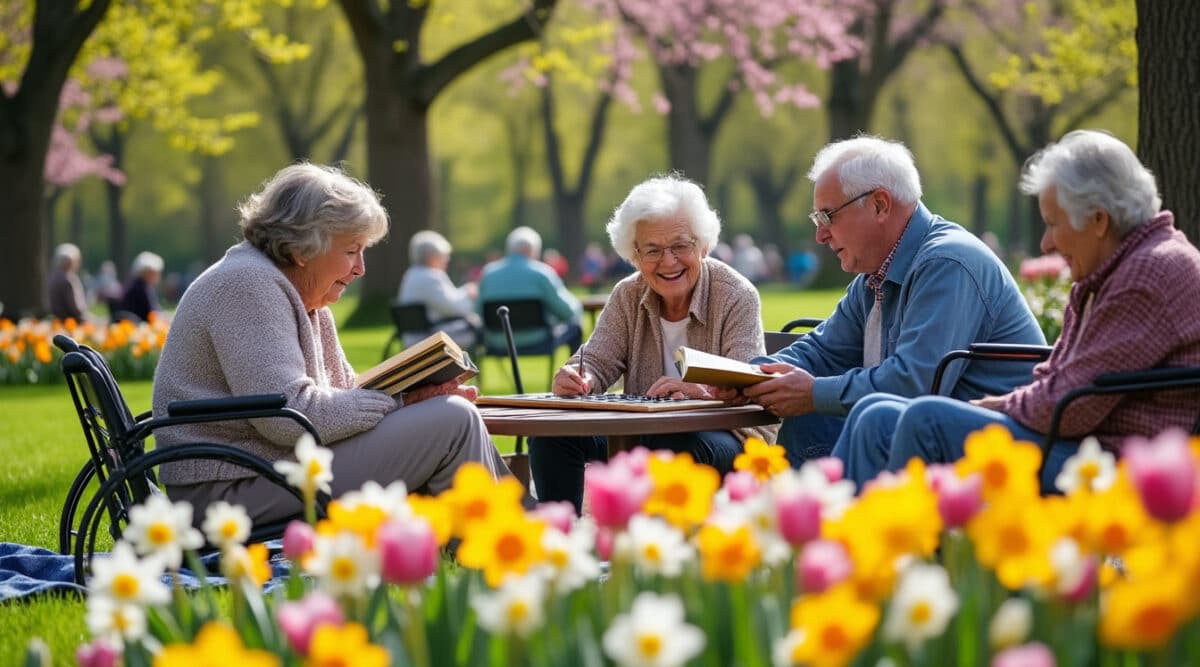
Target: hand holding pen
<point x="573" y="380"/>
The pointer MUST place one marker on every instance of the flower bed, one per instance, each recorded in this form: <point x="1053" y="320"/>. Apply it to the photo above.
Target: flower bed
<point x="1046" y="283"/>
<point x="28" y="354"/>
<point x="937" y="565"/>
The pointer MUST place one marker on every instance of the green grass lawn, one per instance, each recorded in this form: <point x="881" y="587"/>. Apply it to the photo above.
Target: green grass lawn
<point x="43" y="448"/>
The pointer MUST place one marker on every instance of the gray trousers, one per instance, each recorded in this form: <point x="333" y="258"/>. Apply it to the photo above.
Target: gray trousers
<point x="422" y="445"/>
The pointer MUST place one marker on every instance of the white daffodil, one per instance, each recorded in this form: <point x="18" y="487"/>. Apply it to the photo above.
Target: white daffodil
<point x="654" y="546"/>
<point x="835" y="497"/>
<point x="921" y="607"/>
<point x="1090" y="469"/>
<point x="226" y="524"/>
<point x="392" y="501"/>
<point x="160" y="527"/>
<point x="516" y="608"/>
<point x="118" y="621"/>
<point x="125" y="579"/>
<point x="782" y="654"/>
<point x="344" y="564"/>
<point x="653" y="634"/>
<point x="569" y="561"/>
<point x="1011" y="624"/>
<point x="313" y="468"/>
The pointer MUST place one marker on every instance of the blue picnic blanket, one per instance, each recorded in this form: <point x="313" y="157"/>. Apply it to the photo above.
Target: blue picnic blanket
<point x="26" y="571"/>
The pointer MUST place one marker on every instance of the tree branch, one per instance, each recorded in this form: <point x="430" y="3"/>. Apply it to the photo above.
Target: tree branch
<point x="991" y="102"/>
<point x="595" y="140"/>
<point x="1115" y="89"/>
<point x="907" y="41"/>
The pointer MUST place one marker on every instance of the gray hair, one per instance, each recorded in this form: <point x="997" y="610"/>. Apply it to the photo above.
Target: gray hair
<point x="65" y="253"/>
<point x="299" y="210"/>
<point x="146" y="261"/>
<point x="425" y="245"/>
<point x="866" y="163"/>
<point x="524" y="241"/>
<point x="1093" y="171"/>
<point x="663" y="198"/>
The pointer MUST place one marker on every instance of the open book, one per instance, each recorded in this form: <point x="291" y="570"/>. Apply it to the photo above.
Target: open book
<point x="704" y="368"/>
<point x="434" y="360"/>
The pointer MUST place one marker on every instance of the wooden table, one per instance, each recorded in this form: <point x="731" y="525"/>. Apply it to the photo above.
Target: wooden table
<point x="622" y="428"/>
<point x="593" y="304"/>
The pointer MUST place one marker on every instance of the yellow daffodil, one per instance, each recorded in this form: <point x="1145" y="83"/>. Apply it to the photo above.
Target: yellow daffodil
<point x="510" y="544"/>
<point x="683" y="490"/>
<point x="836" y="625"/>
<point x="1115" y="521"/>
<point x="760" y="459"/>
<point x="1007" y="466"/>
<point x="1014" y="537"/>
<point x="360" y="519"/>
<point x="477" y="497"/>
<point x="437" y="512"/>
<point x="727" y="555"/>
<point x="334" y="646"/>
<point x="216" y="645"/>
<point x="1143" y="614"/>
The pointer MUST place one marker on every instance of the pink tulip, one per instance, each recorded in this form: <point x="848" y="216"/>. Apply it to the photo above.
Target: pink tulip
<point x="741" y="485"/>
<point x="1164" y="472"/>
<point x="297" y="540"/>
<point x="798" y="515"/>
<point x="1083" y="588"/>
<point x="408" y="550"/>
<point x="299" y="620"/>
<point x="559" y="514"/>
<point x="605" y="540"/>
<point x="614" y="492"/>
<point x="958" y="499"/>
<point x="99" y="653"/>
<point x="833" y="468"/>
<point x="1027" y="655"/>
<point x="822" y="564"/>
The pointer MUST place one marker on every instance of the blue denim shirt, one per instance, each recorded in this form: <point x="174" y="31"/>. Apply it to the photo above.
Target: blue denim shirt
<point x="944" y="290"/>
<point x="518" y="277"/>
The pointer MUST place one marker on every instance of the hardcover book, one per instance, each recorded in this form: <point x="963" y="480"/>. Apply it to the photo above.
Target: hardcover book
<point x="434" y="360"/>
<point x="704" y="368"/>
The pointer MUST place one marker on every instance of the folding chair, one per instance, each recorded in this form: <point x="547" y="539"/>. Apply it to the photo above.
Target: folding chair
<point x="119" y="463"/>
<point x="524" y="315"/>
<point x="413" y="318"/>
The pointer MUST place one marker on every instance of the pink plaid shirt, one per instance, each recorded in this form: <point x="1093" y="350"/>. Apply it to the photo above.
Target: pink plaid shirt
<point x="1137" y="311"/>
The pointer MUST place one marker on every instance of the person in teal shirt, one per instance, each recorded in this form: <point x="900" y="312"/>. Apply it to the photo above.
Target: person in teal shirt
<point x="520" y="275"/>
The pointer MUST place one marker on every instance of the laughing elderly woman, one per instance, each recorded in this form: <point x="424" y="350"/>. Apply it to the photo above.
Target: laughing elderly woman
<point x="258" y="322"/>
<point x="679" y="296"/>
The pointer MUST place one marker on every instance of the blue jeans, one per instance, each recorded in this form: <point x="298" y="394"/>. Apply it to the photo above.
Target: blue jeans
<point x="883" y="432"/>
<point x="809" y="437"/>
<point x="557" y="462"/>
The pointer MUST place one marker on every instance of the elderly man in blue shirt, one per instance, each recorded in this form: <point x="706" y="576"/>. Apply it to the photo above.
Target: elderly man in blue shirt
<point x="925" y="286"/>
<point x="520" y="275"/>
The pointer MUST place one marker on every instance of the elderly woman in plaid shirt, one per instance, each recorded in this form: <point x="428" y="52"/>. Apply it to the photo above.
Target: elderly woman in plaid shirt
<point x="1128" y="310"/>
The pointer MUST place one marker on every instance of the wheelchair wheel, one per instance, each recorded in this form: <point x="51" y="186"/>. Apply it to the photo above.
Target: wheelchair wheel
<point x="67" y="528"/>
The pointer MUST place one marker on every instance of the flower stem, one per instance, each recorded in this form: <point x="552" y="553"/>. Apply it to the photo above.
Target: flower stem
<point x="414" y="630"/>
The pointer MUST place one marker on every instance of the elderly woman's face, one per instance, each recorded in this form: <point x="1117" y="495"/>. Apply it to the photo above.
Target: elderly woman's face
<point x="1084" y="250"/>
<point x="669" y="258"/>
<point x="322" y="279"/>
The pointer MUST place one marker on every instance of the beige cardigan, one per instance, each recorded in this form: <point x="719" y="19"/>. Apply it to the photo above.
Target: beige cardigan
<point x="725" y="318"/>
<point x="240" y="329"/>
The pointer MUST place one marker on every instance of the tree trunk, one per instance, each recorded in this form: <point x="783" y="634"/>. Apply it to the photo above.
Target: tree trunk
<point x="23" y="271"/>
<point x="979" y="208"/>
<point x="850" y="103"/>
<point x="689" y="142"/>
<point x="1169" y="104"/>
<point x="768" y="199"/>
<point x="212" y="210"/>
<point x="118" y="229"/>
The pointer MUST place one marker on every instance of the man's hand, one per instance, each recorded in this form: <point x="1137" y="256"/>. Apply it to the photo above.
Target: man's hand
<point x="989" y="402"/>
<point x="788" y="395"/>
<point x="449" y="388"/>
<point x="729" y="395"/>
<point x="676" y="388"/>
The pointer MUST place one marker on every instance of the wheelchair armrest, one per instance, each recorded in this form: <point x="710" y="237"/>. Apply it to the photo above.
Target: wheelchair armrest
<point x="1150" y="375"/>
<point x="1011" y="351"/>
<point x="208" y="406"/>
<point x="799" y="322"/>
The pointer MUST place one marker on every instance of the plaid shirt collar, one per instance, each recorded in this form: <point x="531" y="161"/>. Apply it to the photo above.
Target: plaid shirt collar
<point x="875" y="280"/>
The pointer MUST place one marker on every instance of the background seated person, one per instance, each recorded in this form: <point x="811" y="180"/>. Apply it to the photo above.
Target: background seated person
<point x="139" y="298"/>
<point x="924" y="286"/>
<point x="678" y="296"/>
<point x="427" y="282"/>
<point x="1129" y="309"/>
<point x="258" y="322"/>
<point x="67" y="299"/>
<point x="520" y="275"/>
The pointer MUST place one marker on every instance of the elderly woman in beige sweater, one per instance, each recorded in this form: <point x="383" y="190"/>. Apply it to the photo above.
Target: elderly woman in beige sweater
<point x="679" y="296"/>
<point x="258" y="322"/>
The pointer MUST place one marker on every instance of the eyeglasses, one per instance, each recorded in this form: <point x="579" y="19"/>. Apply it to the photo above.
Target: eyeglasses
<point x="823" y="218"/>
<point x="680" y="249"/>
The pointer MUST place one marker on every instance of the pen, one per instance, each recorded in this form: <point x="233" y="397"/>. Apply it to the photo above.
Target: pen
<point x="581" y="349"/>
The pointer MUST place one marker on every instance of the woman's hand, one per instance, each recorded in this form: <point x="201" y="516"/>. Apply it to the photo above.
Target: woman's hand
<point x="676" y="388"/>
<point x="449" y="388"/>
<point x="568" y="382"/>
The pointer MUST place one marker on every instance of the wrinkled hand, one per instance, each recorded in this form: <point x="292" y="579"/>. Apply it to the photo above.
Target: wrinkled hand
<point x="676" y="388"/>
<point x="788" y="395"/>
<point x="449" y="388"/>
<point x="568" y="382"/>
<point x="728" y="394"/>
<point x="989" y="402"/>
